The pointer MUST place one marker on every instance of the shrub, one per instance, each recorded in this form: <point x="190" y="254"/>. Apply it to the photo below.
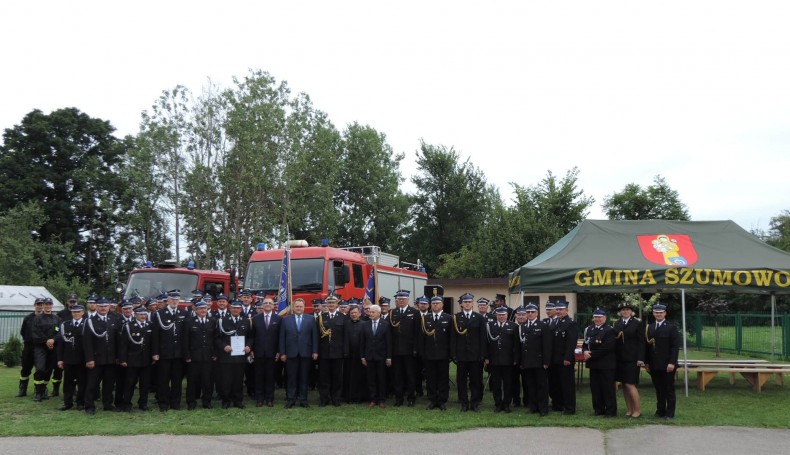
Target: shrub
<point x="11" y="354"/>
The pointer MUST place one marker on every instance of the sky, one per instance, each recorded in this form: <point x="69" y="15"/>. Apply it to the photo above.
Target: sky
<point x="696" y="91"/>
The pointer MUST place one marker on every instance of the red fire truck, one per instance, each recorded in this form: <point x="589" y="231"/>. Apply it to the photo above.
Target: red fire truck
<point x="317" y="270"/>
<point x="150" y="281"/>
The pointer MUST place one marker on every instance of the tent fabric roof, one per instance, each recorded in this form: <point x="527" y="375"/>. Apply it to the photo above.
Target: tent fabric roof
<point x="21" y="298"/>
<point x="656" y="255"/>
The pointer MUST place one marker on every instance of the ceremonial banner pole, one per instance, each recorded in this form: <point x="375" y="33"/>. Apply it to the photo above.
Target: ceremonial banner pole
<point x="375" y="282"/>
<point x="290" y="288"/>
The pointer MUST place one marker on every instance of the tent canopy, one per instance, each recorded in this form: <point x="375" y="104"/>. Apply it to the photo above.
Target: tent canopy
<point x="21" y="298"/>
<point x="656" y="256"/>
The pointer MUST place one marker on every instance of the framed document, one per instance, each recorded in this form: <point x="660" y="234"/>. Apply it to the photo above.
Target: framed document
<point x="237" y="345"/>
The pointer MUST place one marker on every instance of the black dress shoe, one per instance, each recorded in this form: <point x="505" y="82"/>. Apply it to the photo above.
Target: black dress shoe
<point x="143" y="407"/>
<point x="544" y="414"/>
<point x="398" y="402"/>
<point x="207" y="406"/>
<point x="304" y="405"/>
<point x="568" y="413"/>
<point x="410" y="403"/>
<point x="66" y="407"/>
<point x="464" y="407"/>
<point x="90" y="412"/>
<point x="475" y="408"/>
<point x="442" y="406"/>
<point x="497" y="408"/>
<point x="191" y="406"/>
<point x="225" y="405"/>
<point x="506" y="410"/>
<point x="269" y="404"/>
<point x="336" y="404"/>
<point x="80" y="407"/>
<point x="239" y="405"/>
<point x="432" y="406"/>
<point x="289" y="405"/>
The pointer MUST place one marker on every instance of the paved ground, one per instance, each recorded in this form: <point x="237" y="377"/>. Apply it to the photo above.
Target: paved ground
<point x="645" y="440"/>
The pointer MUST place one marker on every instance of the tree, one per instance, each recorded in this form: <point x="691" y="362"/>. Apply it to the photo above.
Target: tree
<point x="452" y="201"/>
<point x="656" y="202"/>
<point x="512" y="236"/>
<point x="779" y="231"/>
<point x="372" y="208"/>
<point x="68" y="163"/>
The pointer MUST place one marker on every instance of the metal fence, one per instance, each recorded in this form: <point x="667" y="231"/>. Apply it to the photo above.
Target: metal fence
<point x="10" y="323"/>
<point x="738" y="333"/>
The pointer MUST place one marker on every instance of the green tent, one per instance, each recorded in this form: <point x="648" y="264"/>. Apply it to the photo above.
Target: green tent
<point x="656" y="256"/>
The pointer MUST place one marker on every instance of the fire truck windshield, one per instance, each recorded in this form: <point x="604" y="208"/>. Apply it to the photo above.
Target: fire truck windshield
<point x="151" y="284"/>
<point x="306" y="275"/>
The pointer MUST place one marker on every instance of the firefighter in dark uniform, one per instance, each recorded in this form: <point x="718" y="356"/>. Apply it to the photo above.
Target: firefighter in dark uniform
<point x="405" y="324"/>
<point x="601" y="359"/>
<point x="45" y="329"/>
<point x="630" y="349"/>
<point x="535" y="338"/>
<point x="502" y="354"/>
<point x="126" y="316"/>
<point x="423" y="308"/>
<point x="100" y="337"/>
<point x="134" y="356"/>
<point x="248" y="310"/>
<point x="199" y="334"/>
<point x="71" y="358"/>
<point x="519" y="382"/>
<point x="26" y="331"/>
<point x="499" y="302"/>
<point x="563" y="361"/>
<point x="332" y="349"/>
<point x="436" y="337"/>
<point x="484" y="307"/>
<point x="168" y="351"/>
<point x="661" y="360"/>
<point x="232" y="364"/>
<point x="63" y="315"/>
<point x="468" y="351"/>
<point x="550" y="320"/>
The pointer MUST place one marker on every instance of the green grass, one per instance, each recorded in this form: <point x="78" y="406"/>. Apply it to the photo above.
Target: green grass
<point x="755" y="339"/>
<point x="720" y="404"/>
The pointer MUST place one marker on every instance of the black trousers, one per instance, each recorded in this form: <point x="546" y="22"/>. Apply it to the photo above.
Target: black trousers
<point x="27" y="362"/>
<point x="664" y="383"/>
<point x="74" y="382"/>
<point x="44" y="359"/>
<point x="469" y="375"/>
<point x="501" y="384"/>
<point x="518" y="387"/>
<point x="264" y="374"/>
<point x="232" y="382"/>
<point x="404" y="376"/>
<point x="141" y="377"/>
<point x="604" y="399"/>
<point x="562" y="387"/>
<point x="120" y="385"/>
<point x="330" y="380"/>
<point x="104" y="375"/>
<point x="537" y="389"/>
<point x="250" y="378"/>
<point x="437" y="380"/>
<point x="297" y="370"/>
<point x="171" y="374"/>
<point x="199" y="382"/>
<point x="377" y="380"/>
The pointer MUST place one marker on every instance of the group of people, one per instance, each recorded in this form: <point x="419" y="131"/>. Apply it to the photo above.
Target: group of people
<point x="351" y="351"/>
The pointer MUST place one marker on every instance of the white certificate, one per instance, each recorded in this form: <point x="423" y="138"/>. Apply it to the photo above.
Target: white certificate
<point x="237" y="345"/>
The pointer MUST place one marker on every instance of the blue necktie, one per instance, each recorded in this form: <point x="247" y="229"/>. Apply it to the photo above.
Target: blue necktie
<point x="298" y="323"/>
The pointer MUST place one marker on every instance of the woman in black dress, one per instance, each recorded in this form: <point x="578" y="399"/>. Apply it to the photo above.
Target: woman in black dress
<point x="630" y="357"/>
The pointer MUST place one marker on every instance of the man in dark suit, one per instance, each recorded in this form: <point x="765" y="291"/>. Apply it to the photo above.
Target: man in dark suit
<point x="168" y="351"/>
<point x="534" y="360"/>
<point x="299" y="348"/>
<point x="266" y="351"/>
<point x="562" y="387"/>
<point x="199" y="334"/>
<point x="502" y="354"/>
<point x="661" y="360"/>
<point x="468" y="350"/>
<point x="376" y="349"/>
<point x="332" y="349"/>
<point x="435" y="340"/>
<point x="71" y="358"/>
<point x="600" y="357"/>
<point x="405" y="323"/>
<point x="134" y="357"/>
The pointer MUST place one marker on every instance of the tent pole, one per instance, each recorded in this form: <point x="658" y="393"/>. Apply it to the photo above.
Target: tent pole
<point x="773" y="325"/>
<point x="685" y="352"/>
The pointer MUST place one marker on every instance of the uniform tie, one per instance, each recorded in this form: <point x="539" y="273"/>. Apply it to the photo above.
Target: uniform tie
<point x="375" y="326"/>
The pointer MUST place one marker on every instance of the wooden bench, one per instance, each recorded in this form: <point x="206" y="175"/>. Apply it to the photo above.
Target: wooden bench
<point x="757" y="374"/>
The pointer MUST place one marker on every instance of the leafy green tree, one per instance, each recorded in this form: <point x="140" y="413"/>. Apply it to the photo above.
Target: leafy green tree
<point x="67" y="162"/>
<point x="372" y="208"/>
<point x="656" y="202"/>
<point x="452" y="201"/>
<point x="512" y="236"/>
<point x="779" y="231"/>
